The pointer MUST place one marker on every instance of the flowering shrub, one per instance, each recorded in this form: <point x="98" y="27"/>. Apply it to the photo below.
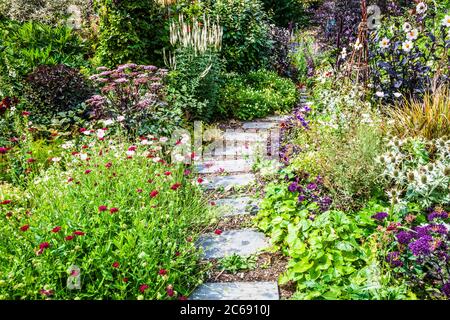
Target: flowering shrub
<point x="408" y="56"/>
<point x="134" y="95"/>
<point x="107" y="220"/>
<point x="418" y="171"/>
<point x="418" y="251"/>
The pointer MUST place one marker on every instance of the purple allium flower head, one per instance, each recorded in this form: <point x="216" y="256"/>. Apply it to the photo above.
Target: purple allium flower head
<point x="380" y="216"/>
<point x="405" y="237"/>
<point x="394" y="259"/>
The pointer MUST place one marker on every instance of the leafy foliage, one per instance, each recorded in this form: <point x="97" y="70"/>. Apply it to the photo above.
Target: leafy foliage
<point x="235" y="263"/>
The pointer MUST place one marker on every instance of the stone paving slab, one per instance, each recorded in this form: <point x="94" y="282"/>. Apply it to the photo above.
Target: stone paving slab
<point x="260" y="125"/>
<point x="237" y="206"/>
<point x="276" y="118"/>
<point x="239" y="151"/>
<point x="230" y="181"/>
<point x="230" y="166"/>
<point x="243" y="242"/>
<point x="244" y="136"/>
<point x="236" y="291"/>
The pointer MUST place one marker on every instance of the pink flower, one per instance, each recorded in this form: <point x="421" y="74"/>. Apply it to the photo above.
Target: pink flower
<point x="170" y="291"/>
<point x="143" y="287"/>
<point x="47" y="293"/>
<point x="108" y="165"/>
<point x="113" y="210"/>
<point x="25" y="227"/>
<point x="56" y="229"/>
<point x="218" y="232"/>
<point x="175" y="186"/>
<point x="102" y="208"/>
<point x="132" y="148"/>
<point x="154" y="193"/>
<point x="187" y="172"/>
<point x="162" y="272"/>
<point x="3" y="150"/>
<point x="87" y="171"/>
<point x="115" y="264"/>
<point x="167" y="173"/>
<point x="31" y="160"/>
<point x="139" y="190"/>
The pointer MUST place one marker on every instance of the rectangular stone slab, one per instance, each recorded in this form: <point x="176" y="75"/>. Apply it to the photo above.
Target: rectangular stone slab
<point x="260" y="125"/>
<point x="230" y="181"/>
<point x="244" y="136"/>
<point x="237" y="206"/>
<point x="214" y="166"/>
<point x="243" y="242"/>
<point x="236" y="291"/>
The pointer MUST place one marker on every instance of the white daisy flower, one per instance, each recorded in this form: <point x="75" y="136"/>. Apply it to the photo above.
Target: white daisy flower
<point x="83" y="156"/>
<point x="384" y="44"/>
<point x="108" y="122"/>
<point x="407" y="27"/>
<point x="130" y="153"/>
<point x="101" y="133"/>
<point x="397" y="94"/>
<point x="446" y="21"/>
<point x="407" y="46"/>
<point x="56" y="159"/>
<point x="413" y="34"/>
<point x="421" y="8"/>
<point x="380" y="94"/>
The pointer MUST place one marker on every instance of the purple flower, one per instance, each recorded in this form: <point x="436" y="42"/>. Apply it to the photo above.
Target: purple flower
<point x="394" y="259"/>
<point x="311" y="186"/>
<point x="301" y="198"/>
<point x="423" y="246"/>
<point x="446" y="289"/>
<point x="405" y="237"/>
<point x="437" y="214"/>
<point x="380" y="216"/>
<point x="293" y="187"/>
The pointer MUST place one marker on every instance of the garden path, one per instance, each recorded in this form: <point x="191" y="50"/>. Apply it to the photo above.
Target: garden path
<point x="234" y="165"/>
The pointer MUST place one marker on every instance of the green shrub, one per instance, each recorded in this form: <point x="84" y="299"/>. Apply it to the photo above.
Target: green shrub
<point x="55" y="93"/>
<point x="130" y="229"/>
<point x="25" y="46"/>
<point x="257" y="94"/>
<point x="284" y="12"/>
<point x="246" y="42"/>
<point x="130" y="30"/>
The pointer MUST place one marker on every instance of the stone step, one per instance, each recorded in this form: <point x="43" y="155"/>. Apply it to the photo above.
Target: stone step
<point x="237" y="206"/>
<point x="276" y="118"/>
<point x="238" y="151"/>
<point x="241" y="136"/>
<point x="230" y="181"/>
<point x="229" y="166"/>
<point x="243" y="242"/>
<point x="236" y="291"/>
<point x="260" y="125"/>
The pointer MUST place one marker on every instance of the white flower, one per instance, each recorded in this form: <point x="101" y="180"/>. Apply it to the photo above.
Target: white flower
<point x="446" y="21"/>
<point x="397" y="94"/>
<point x="67" y="145"/>
<point x="344" y="54"/>
<point x="146" y="142"/>
<point x="108" y="122"/>
<point x="179" y="158"/>
<point x="380" y="94"/>
<point x="101" y="133"/>
<point x="163" y="139"/>
<point x="56" y="159"/>
<point x="407" y="27"/>
<point x="158" y="148"/>
<point x="421" y="8"/>
<point x="413" y="34"/>
<point x="407" y="46"/>
<point x="86" y="132"/>
<point x="358" y="45"/>
<point x="130" y="153"/>
<point x="156" y="159"/>
<point x="83" y="156"/>
<point x="120" y="118"/>
<point x="385" y="43"/>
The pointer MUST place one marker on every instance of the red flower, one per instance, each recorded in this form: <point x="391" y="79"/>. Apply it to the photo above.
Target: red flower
<point x="113" y="210"/>
<point x="125" y="279"/>
<point x="3" y="150"/>
<point x="70" y="179"/>
<point x="167" y="173"/>
<point x="154" y="193"/>
<point x="170" y="291"/>
<point x="143" y="287"/>
<point x="108" y="165"/>
<point x="31" y="160"/>
<point x="102" y="208"/>
<point x="5" y="202"/>
<point x="68" y="238"/>
<point x="25" y="227"/>
<point x="26" y="113"/>
<point x="212" y="203"/>
<point x="139" y="190"/>
<point x="200" y="180"/>
<point x="9" y="214"/>
<point x="218" y="232"/>
<point x="175" y="186"/>
<point x="74" y="153"/>
<point x="162" y="272"/>
<point x="79" y="233"/>
<point x="187" y="172"/>
<point x="88" y="171"/>
<point x="132" y="148"/>
<point x="82" y="130"/>
<point x="149" y="180"/>
<point x="115" y="264"/>
<point x="56" y="229"/>
<point x="42" y="247"/>
<point x="84" y="147"/>
<point x="177" y="254"/>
